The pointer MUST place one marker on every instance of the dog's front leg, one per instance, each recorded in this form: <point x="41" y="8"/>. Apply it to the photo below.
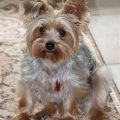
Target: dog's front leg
<point x="49" y="110"/>
<point x="25" y="102"/>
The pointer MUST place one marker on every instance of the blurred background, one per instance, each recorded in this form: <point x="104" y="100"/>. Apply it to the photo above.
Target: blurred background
<point x="102" y="36"/>
<point x="105" y="29"/>
<point x="103" y="7"/>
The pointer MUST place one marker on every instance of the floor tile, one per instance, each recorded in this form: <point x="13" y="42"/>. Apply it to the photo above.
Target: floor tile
<point x="106" y="33"/>
<point x="101" y="7"/>
<point x="115" y="72"/>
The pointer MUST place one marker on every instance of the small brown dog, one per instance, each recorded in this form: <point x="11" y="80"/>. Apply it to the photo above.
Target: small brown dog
<point x="58" y="69"/>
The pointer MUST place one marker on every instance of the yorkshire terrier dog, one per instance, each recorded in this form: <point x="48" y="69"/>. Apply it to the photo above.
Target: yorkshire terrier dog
<point x="58" y="69"/>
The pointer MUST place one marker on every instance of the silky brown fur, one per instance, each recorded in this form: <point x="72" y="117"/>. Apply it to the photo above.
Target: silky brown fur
<point x="82" y="78"/>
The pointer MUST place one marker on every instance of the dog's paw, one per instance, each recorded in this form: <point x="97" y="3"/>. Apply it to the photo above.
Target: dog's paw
<point x="69" y="116"/>
<point x="40" y="116"/>
<point x="100" y="117"/>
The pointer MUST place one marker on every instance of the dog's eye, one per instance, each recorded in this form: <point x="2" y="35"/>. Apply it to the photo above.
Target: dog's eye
<point x="42" y="29"/>
<point x="62" y="33"/>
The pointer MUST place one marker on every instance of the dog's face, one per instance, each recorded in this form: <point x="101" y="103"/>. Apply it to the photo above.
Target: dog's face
<point x="55" y="36"/>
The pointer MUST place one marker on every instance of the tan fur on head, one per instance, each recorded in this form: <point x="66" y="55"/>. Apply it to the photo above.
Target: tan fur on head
<point x="79" y="9"/>
<point x="76" y="7"/>
<point x="32" y="9"/>
<point x="32" y="6"/>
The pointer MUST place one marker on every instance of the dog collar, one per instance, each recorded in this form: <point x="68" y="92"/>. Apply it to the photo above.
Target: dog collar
<point x="46" y="70"/>
<point x="57" y="86"/>
<point x="57" y="83"/>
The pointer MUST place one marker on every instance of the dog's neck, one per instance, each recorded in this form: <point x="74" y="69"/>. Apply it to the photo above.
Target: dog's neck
<point x="49" y="64"/>
<point x="49" y="67"/>
<point x="53" y="66"/>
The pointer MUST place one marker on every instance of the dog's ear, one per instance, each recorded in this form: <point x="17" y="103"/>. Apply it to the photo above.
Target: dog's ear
<point x="77" y="8"/>
<point x="35" y="7"/>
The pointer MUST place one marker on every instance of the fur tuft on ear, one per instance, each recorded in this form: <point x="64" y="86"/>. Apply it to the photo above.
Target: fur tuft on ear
<point x="35" y="7"/>
<point x="77" y="8"/>
<point x="32" y="9"/>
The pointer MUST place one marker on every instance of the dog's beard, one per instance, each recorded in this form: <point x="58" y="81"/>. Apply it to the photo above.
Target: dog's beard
<point x="61" y="53"/>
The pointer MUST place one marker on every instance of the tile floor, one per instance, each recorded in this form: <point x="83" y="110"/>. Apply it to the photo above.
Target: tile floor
<point x="104" y="7"/>
<point x="115" y="72"/>
<point x="105" y="30"/>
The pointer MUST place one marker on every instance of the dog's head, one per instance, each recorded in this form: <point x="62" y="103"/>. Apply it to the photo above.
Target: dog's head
<point x="55" y="35"/>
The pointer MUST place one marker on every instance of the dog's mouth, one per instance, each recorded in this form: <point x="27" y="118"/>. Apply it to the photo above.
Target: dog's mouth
<point x="53" y="55"/>
<point x="50" y="52"/>
<point x="56" y="54"/>
<point x="45" y="51"/>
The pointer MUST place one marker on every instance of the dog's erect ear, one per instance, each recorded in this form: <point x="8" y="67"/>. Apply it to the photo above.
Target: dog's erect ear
<point x="36" y="7"/>
<point x="77" y="8"/>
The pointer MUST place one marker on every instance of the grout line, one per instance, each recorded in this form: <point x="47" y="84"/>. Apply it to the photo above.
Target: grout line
<point x="112" y="63"/>
<point x="105" y="14"/>
<point x="115" y="99"/>
<point x="113" y="82"/>
<point x="96" y="46"/>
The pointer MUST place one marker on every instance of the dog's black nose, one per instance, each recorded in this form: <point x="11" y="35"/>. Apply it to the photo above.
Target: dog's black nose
<point x="50" y="46"/>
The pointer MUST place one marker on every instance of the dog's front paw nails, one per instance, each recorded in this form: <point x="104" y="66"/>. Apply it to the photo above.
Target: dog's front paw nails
<point x="40" y="116"/>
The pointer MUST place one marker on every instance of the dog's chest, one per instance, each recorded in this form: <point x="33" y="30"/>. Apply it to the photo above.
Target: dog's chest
<point x="48" y="83"/>
<point x="55" y="79"/>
